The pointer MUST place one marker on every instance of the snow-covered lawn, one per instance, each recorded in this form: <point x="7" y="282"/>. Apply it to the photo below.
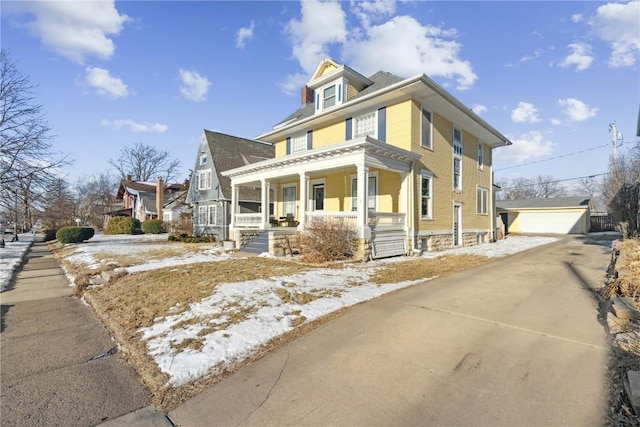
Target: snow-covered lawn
<point x="237" y="318"/>
<point x="11" y="256"/>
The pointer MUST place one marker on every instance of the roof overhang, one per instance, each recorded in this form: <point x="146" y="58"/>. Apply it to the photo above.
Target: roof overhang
<point x="419" y="88"/>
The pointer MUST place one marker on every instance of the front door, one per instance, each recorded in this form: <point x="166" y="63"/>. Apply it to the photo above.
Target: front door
<point x="318" y="197"/>
<point x="289" y="201"/>
<point x="457" y="225"/>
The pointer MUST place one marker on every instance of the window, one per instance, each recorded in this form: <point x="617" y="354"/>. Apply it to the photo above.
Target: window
<point x="202" y="215"/>
<point x="298" y="143"/>
<point x="426" y="207"/>
<point x="204" y="179"/>
<point x="203" y="159"/>
<point x="372" y="191"/>
<point x="427" y="130"/>
<point x="212" y="215"/>
<point x="289" y="200"/>
<point x="457" y="159"/>
<point x="482" y="201"/>
<point x="166" y="216"/>
<point x="365" y="125"/>
<point x="329" y="97"/>
<point x="480" y="155"/>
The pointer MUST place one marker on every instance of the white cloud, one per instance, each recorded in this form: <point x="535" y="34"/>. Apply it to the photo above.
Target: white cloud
<point x="618" y="25"/>
<point x="401" y="45"/>
<point x="244" y="34"/>
<point x="535" y="55"/>
<point x="478" y="109"/>
<point x="576" y="110"/>
<point x="581" y="56"/>
<point x="74" y="29"/>
<point x="525" y="113"/>
<point x="527" y="146"/>
<point x="134" y="126"/>
<point x="556" y="122"/>
<point x="372" y="11"/>
<point x="575" y="18"/>
<point x="194" y="86"/>
<point x="105" y="84"/>
<point x="405" y="47"/>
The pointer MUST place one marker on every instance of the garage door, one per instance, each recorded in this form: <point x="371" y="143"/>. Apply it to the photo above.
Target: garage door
<point x="550" y="222"/>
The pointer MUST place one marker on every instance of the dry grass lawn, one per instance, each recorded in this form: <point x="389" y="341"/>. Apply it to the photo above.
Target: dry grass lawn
<point x="135" y="301"/>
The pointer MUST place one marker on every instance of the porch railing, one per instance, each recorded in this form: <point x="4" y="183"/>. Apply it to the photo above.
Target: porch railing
<point x="386" y="221"/>
<point x="248" y="220"/>
<point x="329" y="215"/>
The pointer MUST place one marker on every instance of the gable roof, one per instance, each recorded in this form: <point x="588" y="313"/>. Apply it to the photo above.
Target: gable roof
<point x="552" y="202"/>
<point x="139" y="187"/>
<point x="230" y="152"/>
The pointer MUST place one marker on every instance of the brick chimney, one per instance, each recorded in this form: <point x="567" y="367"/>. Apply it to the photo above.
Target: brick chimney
<point x="159" y="197"/>
<point x="128" y="177"/>
<point x="306" y="93"/>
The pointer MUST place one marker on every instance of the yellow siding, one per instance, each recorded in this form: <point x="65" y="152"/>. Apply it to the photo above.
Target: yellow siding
<point x="337" y="190"/>
<point x="329" y="135"/>
<point x="351" y="92"/>
<point x="281" y="148"/>
<point x="399" y="124"/>
<point x="388" y="190"/>
<point x="328" y="68"/>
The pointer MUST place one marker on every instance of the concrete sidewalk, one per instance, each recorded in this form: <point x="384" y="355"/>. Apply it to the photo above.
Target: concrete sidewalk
<point x="59" y="365"/>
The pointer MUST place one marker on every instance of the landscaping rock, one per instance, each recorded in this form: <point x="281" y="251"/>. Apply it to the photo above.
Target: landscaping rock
<point x="627" y="340"/>
<point x="108" y="275"/>
<point x="632" y="388"/>
<point x="624" y="308"/>
<point x="616" y="325"/>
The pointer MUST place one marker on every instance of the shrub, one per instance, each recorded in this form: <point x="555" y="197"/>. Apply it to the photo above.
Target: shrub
<point x="185" y="238"/>
<point x="327" y="240"/>
<point x="74" y="234"/>
<point x="153" y="226"/>
<point x="122" y="225"/>
<point x="49" y="234"/>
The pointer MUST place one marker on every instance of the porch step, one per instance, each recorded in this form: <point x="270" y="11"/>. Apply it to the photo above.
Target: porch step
<point x="259" y="245"/>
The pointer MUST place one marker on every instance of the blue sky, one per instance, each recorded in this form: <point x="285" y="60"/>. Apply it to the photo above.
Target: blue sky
<point x="551" y="76"/>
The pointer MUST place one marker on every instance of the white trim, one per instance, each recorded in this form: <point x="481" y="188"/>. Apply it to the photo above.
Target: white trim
<point x="428" y="146"/>
<point x="207" y="174"/>
<point x="354" y="179"/>
<point x="293" y="185"/>
<point x="213" y="208"/>
<point x="457" y="146"/>
<point x="299" y="143"/>
<point x="485" y="190"/>
<point x="354" y="125"/>
<point x="480" y="155"/>
<point x="312" y="200"/>
<point x="426" y="174"/>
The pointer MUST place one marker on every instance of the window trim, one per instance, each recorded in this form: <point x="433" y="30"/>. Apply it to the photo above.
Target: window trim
<point x="203" y="212"/>
<point x="203" y="159"/>
<point x="480" y="155"/>
<point x="213" y="208"/>
<point x="354" y="125"/>
<point x="482" y="195"/>
<point x="295" y="199"/>
<point x="207" y="173"/>
<point x="457" y="155"/>
<point x="428" y="146"/>
<point x="338" y="95"/>
<point x="302" y="141"/>
<point x="312" y="183"/>
<point x="354" y="188"/>
<point x="429" y="175"/>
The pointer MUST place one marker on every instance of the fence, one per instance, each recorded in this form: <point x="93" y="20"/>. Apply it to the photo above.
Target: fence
<point x="602" y="223"/>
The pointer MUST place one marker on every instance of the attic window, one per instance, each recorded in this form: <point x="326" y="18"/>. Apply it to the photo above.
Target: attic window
<point x="203" y="160"/>
<point x="329" y="97"/>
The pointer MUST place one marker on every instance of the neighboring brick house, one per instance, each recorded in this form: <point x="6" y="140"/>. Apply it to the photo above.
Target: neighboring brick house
<point x="403" y="159"/>
<point x="210" y="191"/>
<point x="144" y="200"/>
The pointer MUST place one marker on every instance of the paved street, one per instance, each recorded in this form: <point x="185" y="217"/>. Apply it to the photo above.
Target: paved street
<point x="50" y="375"/>
<point x="514" y="342"/>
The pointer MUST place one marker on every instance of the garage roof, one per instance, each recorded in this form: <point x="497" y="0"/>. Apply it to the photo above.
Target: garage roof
<point x="553" y="202"/>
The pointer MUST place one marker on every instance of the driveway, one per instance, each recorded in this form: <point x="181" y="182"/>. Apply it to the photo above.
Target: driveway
<point x="513" y="342"/>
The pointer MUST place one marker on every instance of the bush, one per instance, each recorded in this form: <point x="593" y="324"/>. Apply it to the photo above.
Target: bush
<point x="122" y="225"/>
<point x="185" y="238"/>
<point x="49" y="234"/>
<point x="327" y="240"/>
<point x="74" y="234"/>
<point x="153" y="226"/>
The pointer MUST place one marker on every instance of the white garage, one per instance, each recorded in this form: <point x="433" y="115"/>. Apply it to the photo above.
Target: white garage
<point x="560" y="215"/>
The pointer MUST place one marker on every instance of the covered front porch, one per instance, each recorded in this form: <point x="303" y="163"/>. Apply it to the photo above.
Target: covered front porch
<point x="364" y="182"/>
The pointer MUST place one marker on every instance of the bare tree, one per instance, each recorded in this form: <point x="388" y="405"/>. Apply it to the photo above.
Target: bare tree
<point x="95" y="196"/>
<point x="145" y="163"/>
<point x="25" y="143"/>
<point x="538" y="187"/>
<point x="621" y="190"/>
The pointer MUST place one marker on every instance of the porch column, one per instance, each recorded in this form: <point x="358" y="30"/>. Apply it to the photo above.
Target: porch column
<point x="304" y="191"/>
<point x="265" y="186"/>
<point x="404" y="199"/>
<point x="234" y="202"/>
<point x="363" y="202"/>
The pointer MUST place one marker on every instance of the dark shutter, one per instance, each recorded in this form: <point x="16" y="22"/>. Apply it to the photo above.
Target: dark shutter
<point x="382" y="124"/>
<point x="348" y="125"/>
<point x="309" y="140"/>
<point x="288" y="145"/>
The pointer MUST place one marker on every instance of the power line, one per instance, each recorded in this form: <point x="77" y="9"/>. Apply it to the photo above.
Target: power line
<point x="553" y="158"/>
<point x="553" y="182"/>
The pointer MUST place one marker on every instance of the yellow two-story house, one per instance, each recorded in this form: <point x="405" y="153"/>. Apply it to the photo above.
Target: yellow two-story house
<point x="403" y="159"/>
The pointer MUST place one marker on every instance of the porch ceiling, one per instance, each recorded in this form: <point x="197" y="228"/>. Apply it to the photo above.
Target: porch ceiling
<point x="365" y="151"/>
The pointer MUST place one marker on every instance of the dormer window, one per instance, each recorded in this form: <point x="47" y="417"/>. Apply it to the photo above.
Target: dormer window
<point x="330" y="95"/>
<point x="203" y="159"/>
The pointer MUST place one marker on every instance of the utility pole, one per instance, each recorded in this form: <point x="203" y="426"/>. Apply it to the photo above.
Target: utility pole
<point x="615" y="137"/>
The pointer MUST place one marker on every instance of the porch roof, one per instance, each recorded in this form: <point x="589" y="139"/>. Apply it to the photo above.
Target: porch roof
<point x="364" y="150"/>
